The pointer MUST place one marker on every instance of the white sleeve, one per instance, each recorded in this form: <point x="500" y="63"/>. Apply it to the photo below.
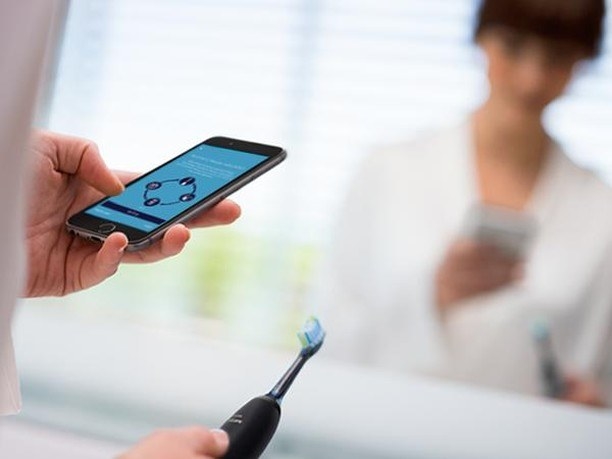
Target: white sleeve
<point x="25" y="28"/>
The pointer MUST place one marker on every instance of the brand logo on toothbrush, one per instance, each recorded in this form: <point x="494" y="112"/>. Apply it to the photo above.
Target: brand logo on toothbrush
<point x="236" y="419"/>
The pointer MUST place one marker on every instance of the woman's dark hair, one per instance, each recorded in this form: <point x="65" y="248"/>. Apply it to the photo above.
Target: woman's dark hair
<point x="577" y="21"/>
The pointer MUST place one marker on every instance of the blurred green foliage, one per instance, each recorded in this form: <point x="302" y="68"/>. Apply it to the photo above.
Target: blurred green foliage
<point x="230" y="272"/>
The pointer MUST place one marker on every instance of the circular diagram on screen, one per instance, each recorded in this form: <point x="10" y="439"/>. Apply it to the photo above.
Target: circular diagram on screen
<point x="168" y="192"/>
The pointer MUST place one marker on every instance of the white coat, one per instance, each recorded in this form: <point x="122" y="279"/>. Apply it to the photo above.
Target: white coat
<point x="406" y="206"/>
<point x="26" y="28"/>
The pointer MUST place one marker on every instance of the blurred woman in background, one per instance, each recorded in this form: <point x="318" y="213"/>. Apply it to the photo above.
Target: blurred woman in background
<point x="405" y="290"/>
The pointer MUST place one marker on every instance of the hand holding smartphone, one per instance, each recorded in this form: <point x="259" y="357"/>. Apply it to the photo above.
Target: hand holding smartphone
<point x="174" y="192"/>
<point x="486" y="257"/>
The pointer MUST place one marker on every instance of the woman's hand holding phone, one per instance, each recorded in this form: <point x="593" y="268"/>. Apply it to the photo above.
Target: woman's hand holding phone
<point x="472" y="268"/>
<point x="69" y="174"/>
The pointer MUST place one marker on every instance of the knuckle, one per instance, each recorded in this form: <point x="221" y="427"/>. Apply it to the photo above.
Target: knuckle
<point x="91" y="146"/>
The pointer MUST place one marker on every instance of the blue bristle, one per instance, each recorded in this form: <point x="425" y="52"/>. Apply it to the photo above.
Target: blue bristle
<point x="312" y="334"/>
<point x="539" y="329"/>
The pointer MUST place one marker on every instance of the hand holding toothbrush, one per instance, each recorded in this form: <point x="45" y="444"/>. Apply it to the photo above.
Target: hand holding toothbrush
<point x="557" y="383"/>
<point x="583" y="391"/>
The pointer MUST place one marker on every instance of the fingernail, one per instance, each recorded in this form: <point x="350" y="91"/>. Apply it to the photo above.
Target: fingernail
<point x="220" y="437"/>
<point x="119" y="188"/>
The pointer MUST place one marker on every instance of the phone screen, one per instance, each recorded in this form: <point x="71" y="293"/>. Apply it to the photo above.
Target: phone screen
<point x="173" y="188"/>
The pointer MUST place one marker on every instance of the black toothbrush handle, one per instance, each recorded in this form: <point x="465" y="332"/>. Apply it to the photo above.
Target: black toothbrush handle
<point x="554" y="385"/>
<point x="252" y="427"/>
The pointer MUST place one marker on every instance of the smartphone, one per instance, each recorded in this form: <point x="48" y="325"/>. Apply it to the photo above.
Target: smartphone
<point x="509" y="230"/>
<point x="176" y="191"/>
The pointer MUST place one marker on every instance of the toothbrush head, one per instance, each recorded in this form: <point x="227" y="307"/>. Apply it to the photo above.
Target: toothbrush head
<point x="311" y="336"/>
<point x="540" y="329"/>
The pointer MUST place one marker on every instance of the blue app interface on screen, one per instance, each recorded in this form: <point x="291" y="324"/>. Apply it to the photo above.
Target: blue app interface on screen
<point x="163" y="194"/>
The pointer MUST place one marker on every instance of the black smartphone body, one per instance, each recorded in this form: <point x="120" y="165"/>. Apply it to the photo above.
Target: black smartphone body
<point x="174" y="192"/>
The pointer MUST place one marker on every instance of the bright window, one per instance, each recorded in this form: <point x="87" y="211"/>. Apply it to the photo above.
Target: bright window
<point x="326" y="79"/>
